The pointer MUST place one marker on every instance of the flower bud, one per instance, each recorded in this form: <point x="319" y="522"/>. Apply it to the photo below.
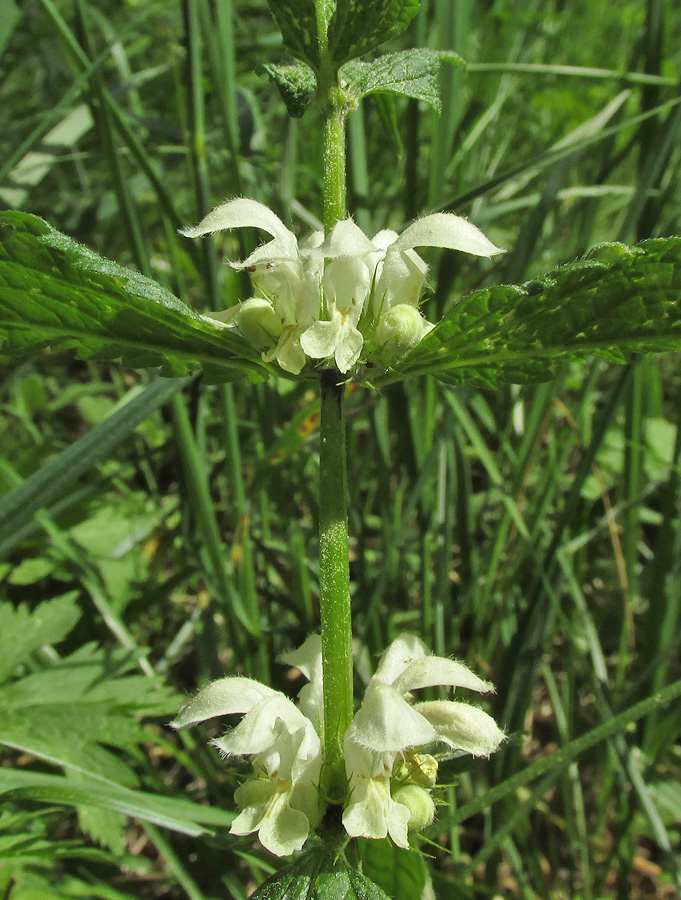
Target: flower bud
<point x="398" y="331"/>
<point x="420" y="768"/>
<point x="259" y="324"/>
<point x="419" y="803"/>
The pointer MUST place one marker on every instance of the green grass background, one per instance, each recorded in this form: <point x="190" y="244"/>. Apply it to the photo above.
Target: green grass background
<point x="532" y="532"/>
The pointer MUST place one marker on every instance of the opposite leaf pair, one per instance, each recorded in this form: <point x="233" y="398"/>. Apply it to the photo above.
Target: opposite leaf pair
<point x="388" y="782"/>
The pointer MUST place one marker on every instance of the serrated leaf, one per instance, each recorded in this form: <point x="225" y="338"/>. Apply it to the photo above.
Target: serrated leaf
<point x="297" y="21"/>
<point x="297" y="85"/>
<point x="616" y="301"/>
<point x="22" y="632"/>
<point x="103" y="826"/>
<point x="319" y="874"/>
<point x="400" y="873"/>
<point x="69" y="711"/>
<point x="293" y="882"/>
<point x="359" y="26"/>
<point x="413" y="73"/>
<point x="57" y="293"/>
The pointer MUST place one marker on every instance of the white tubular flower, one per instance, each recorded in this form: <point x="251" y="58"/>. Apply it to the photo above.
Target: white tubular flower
<point x="288" y="275"/>
<point x="388" y="727"/>
<point x="371" y="811"/>
<point x="400" y="273"/>
<point x="346" y="283"/>
<point x="308" y="658"/>
<point x="368" y="288"/>
<point x="281" y="801"/>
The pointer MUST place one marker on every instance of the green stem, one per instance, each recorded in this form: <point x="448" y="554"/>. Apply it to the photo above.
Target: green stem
<point x="334" y="568"/>
<point x="334" y="160"/>
<point x="334" y="586"/>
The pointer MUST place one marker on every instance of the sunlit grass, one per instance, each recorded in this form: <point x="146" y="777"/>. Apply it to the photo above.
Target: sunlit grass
<point x="533" y="532"/>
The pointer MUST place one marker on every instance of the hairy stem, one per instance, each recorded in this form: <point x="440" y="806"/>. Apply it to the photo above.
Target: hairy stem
<point x="334" y="568"/>
<point x="334" y="586"/>
<point x="334" y="162"/>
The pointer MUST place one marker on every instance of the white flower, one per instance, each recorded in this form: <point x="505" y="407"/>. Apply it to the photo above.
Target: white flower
<point x="351" y="311"/>
<point x="399" y="271"/>
<point x="281" y="801"/>
<point x="288" y="275"/>
<point x="346" y="283"/>
<point x="389" y="272"/>
<point x="388" y="727"/>
<point x="399" y="274"/>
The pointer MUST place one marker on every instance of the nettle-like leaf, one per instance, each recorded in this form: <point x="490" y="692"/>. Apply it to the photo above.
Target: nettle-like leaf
<point x="57" y="293"/>
<point x="353" y="27"/>
<point x="413" y="73"/>
<point x="359" y="26"/>
<point x="319" y="874"/>
<point x="400" y="873"/>
<point x="616" y="301"/>
<point x="297" y="21"/>
<point x="297" y="85"/>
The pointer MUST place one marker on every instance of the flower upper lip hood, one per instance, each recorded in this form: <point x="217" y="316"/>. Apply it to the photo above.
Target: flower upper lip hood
<point x="282" y="801"/>
<point x="287" y="274"/>
<point x="401" y="273"/>
<point x="387" y="721"/>
<point x="329" y="293"/>
<point x="245" y="213"/>
<point x="388" y="725"/>
<point x="389" y="784"/>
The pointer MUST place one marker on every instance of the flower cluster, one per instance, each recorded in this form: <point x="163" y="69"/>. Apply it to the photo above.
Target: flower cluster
<point x="341" y="297"/>
<point x="389" y="782"/>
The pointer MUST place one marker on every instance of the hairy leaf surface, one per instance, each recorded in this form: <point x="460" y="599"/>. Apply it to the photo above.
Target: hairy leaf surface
<point x="359" y="26"/>
<point x="319" y="875"/>
<point x="297" y="21"/>
<point x="57" y="293"/>
<point x="296" y="85"/>
<point x="400" y="873"/>
<point x="412" y="73"/>
<point x="616" y="301"/>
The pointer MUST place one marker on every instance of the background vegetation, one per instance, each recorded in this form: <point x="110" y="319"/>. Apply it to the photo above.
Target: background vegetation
<point x="533" y="532"/>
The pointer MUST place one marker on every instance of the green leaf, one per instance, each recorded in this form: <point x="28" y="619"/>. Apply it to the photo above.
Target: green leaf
<point x="413" y="73"/>
<point x="297" y="85"/>
<point x="297" y="21"/>
<point x="359" y="26"/>
<point x="178" y="815"/>
<point x="616" y="301"/>
<point x="320" y="874"/>
<point x="353" y="27"/>
<point x="30" y="571"/>
<point x="293" y="882"/>
<point x="49" y="483"/>
<point x="105" y="827"/>
<point x="23" y="632"/>
<point x="69" y="710"/>
<point x="9" y="17"/>
<point x="400" y="873"/>
<point x="55" y="292"/>
<point x="347" y="883"/>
